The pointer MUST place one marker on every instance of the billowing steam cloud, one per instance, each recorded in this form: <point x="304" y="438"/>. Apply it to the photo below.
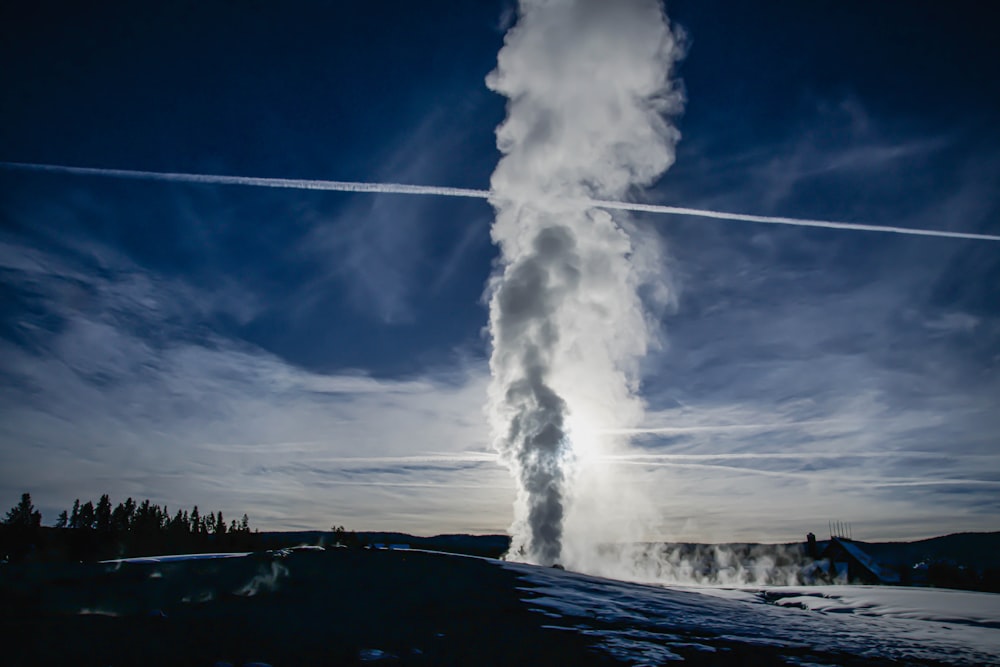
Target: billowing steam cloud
<point x="588" y="84"/>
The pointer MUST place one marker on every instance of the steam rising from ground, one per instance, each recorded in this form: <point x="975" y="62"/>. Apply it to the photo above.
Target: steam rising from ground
<point x="588" y="84"/>
<point x="266" y="579"/>
<point x="706" y="564"/>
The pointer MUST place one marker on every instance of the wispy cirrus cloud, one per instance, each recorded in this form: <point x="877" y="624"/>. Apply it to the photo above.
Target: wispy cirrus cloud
<point x="794" y="394"/>
<point x="811" y="375"/>
<point x="116" y="396"/>
<point x="380" y="247"/>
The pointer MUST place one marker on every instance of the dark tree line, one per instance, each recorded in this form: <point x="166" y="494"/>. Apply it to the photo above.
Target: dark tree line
<point x="93" y="531"/>
<point x="145" y="517"/>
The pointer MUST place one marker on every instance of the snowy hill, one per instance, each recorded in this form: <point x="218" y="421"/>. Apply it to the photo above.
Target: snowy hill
<point x="824" y="625"/>
<point x="404" y="607"/>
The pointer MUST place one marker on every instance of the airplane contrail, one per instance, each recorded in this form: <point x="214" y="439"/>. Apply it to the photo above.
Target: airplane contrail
<point x="287" y="183"/>
<point x="440" y="191"/>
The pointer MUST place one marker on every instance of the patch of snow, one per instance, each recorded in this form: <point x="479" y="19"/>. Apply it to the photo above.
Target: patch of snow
<point x="762" y="641"/>
<point x="638" y="652"/>
<point x="888" y="623"/>
<point x="87" y="611"/>
<point x="176" y="557"/>
<point x="374" y="655"/>
<point x="939" y="605"/>
<point x="742" y="594"/>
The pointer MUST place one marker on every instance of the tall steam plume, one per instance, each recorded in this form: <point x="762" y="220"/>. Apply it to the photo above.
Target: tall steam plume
<point x="588" y="84"/>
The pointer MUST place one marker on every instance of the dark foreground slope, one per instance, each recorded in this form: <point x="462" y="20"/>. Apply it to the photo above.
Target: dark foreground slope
<point x="335" y="607"/>
<point x="345" y="607"/>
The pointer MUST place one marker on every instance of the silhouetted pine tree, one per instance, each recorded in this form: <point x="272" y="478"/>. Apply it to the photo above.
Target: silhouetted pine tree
<point x="102" y="514"/>
<point x="130" y="508"/>
<point x="119" y="519"/>
<point x="74" y="517"/>
<point x="19" y="533"/>
<point x="177" y="529"/>
<point x="24" y="514"/>
<point x="86" y="520"/>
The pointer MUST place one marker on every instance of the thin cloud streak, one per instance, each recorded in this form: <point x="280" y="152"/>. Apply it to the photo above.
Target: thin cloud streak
<point x="935" y="482"/>
<point x="794" y="456"/>
<point x="418" y="485"/>
<point x="305" y="448"/>
<point x="814" y="476"/>
<point x="441" y="191"/>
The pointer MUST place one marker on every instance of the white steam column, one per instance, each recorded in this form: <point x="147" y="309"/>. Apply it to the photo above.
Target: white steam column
<point x="588" y="84"/>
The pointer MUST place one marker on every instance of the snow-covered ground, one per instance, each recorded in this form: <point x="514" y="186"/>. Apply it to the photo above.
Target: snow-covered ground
<point x="813" y="625"/>
<point x="643" y="624"/>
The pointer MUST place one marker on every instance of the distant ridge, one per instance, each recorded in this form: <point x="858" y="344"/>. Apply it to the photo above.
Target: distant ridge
<point x="491" y="546"/>
<point x="978" y="550"/>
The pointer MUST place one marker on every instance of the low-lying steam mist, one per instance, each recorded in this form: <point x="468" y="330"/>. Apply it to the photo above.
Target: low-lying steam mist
<point x="589" y="89"/>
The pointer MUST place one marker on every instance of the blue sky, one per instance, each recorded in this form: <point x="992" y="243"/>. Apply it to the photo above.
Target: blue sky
<point x="316" y="357"/>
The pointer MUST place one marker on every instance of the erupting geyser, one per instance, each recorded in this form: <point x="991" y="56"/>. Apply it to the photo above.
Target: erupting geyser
<point x="589" y="87"/>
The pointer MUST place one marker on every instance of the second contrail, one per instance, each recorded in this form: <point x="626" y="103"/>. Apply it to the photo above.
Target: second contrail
<point x="438" y="191"/>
